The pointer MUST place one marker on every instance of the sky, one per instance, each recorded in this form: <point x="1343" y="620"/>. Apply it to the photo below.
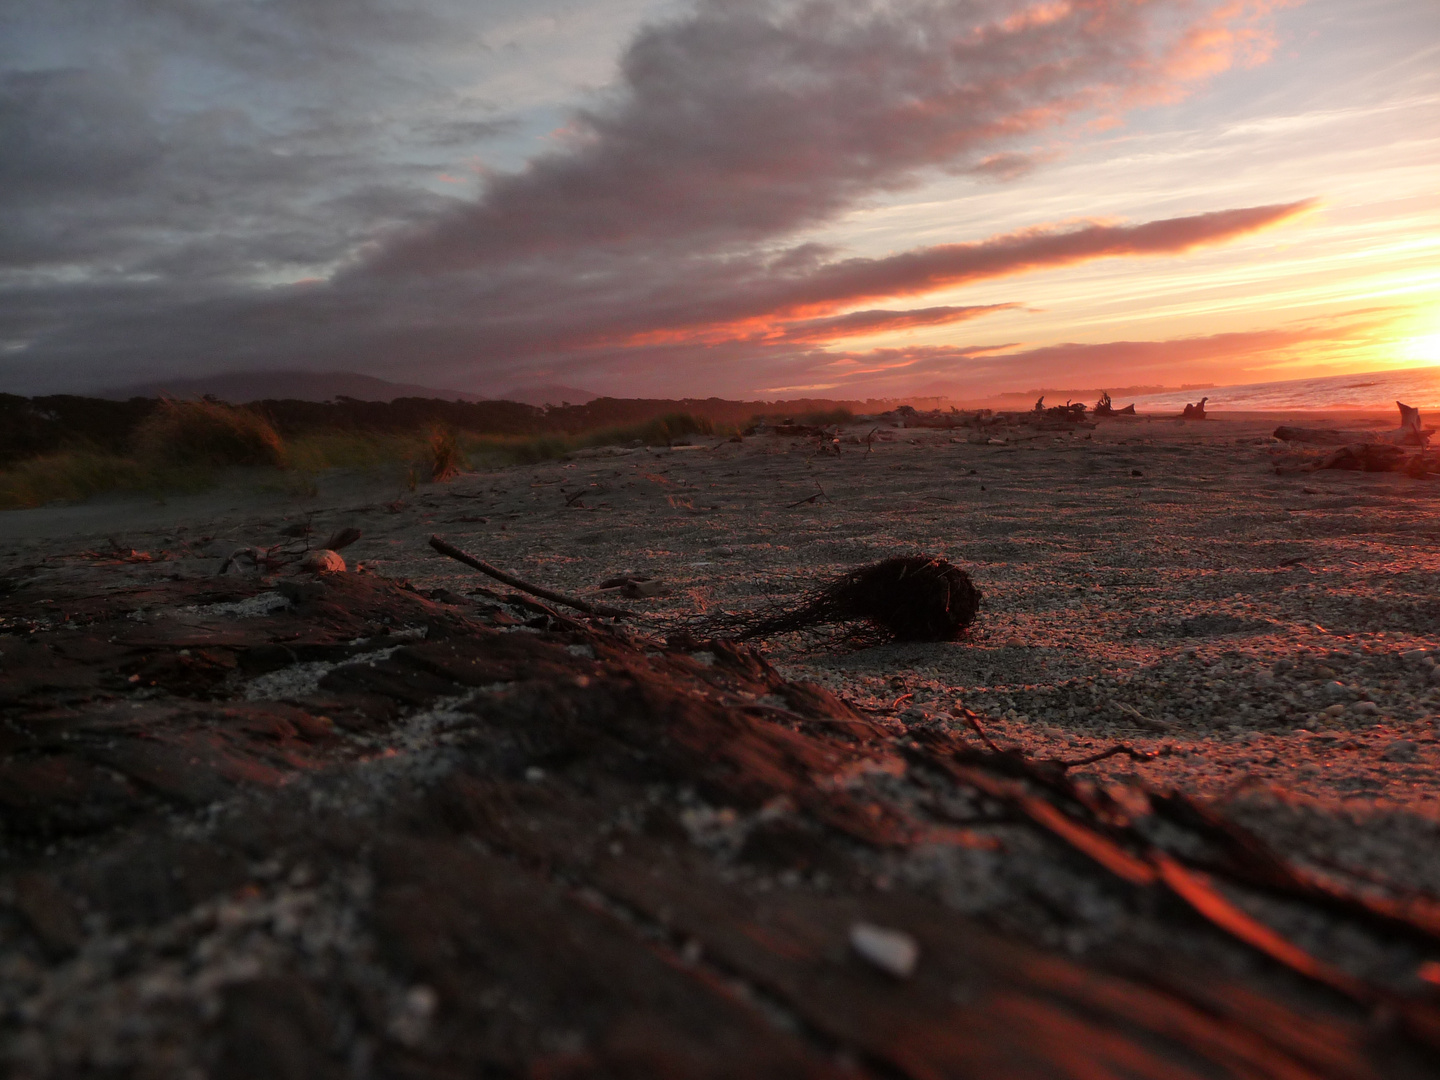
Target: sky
<point x="743" y="198"/>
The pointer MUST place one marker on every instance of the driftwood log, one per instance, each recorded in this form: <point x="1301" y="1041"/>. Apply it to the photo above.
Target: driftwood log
<point x="365" y="832"/>
<point x="1322" y="436"/>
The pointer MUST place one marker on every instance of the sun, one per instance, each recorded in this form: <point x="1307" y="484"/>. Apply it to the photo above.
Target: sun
<point x="1424" y="349"/>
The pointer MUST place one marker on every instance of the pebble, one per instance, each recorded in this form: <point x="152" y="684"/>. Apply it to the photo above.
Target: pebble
<point x="324" y="561"/>
<point x="1401" y="750"/>
<point x="892" y="951"/>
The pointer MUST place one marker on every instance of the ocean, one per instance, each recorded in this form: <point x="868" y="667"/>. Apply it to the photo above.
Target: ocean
<point x="1372" y="390"/>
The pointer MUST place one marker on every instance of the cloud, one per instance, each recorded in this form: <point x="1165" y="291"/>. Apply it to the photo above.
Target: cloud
<point x="748" y="119"/>
<point x="877" y="320"/>
<point x="676" y="220"/>
<point x="978" y="370"/>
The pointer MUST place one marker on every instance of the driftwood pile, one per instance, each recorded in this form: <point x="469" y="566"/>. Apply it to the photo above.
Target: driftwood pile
<point x="1367" y="451"/>
<point x="1104" y="407"/>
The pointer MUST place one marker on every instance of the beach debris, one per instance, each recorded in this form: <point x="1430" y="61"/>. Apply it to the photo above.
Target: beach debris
<point x="240" y="560"/>
<point x="324" y="561"/>
<point x="1102" y="755"/>
<point x="574" y="602"/>
<point x="1321" y="436"/>
<point x="1195" y="410"/>
<point x="342" y="538"/>
<point x="1106" y="407"/>
<point x="910" y="598"/>
<point x="892" y="951"/>
<point x="575" y="497"/>
<point x="1365" y="457"/>
<point x="819" y="494"/>
<point x="1143" y="720"/>
<point x="1411" y="432"/>
<point x="634" y="586"/>
<point x="479" y="839"/>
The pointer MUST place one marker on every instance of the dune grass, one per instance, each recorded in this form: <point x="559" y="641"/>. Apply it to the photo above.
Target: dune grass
<point x="185" y="447"/>
<point x="189" y="434"/>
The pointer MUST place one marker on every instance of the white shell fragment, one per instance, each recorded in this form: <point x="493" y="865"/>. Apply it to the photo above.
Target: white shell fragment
<point x="892" y="951"/>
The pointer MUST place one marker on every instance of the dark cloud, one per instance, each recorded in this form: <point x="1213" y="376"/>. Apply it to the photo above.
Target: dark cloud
<point x="167" y="231"/>
<point x="748" y="119"/>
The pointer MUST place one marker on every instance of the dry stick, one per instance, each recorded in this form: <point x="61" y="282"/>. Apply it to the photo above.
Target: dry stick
<point x="974" y="722"/>
<point x="534" y="590"/>
<point x="819" y="494"/>
<point x="1071" y="763"/>
<point x="1145" y="721"/>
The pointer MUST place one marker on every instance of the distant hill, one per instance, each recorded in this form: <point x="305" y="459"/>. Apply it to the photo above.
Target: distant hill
<point x="239" y="387"/>
<point x="552" y="394"/>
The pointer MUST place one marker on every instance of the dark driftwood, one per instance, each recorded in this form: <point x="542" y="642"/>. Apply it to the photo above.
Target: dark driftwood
<point x="1366" y="457"/>
<point x="614" y="859"/>
<point x="910" y="598"/>
<point x="524" y="586"/>
<point x="1322" y="436"/>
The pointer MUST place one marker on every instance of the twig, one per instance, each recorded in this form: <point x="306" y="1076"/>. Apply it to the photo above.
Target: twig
<point x="1090" y="759"/>
<point x="819" y="494"/>
<point x="903" y="697"/>
<point x="1145" y="721"/>
<point x="974" y="722"/>
<point x="534" y="590"/>
<point x="870" y="441"/>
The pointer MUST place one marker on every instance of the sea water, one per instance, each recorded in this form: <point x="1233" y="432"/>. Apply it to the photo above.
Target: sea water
<point x="1374" y="390"/>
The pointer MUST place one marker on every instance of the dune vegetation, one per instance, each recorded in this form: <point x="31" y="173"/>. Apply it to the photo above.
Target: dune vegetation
<point x="177" y="447"/>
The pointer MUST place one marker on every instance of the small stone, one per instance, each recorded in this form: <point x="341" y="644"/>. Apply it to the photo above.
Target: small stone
<point x="1366" y="708"/>
<point x="1334" y="710"/>
<point x="892" y="951"/>
<point x="1400" y="750"/>
<point x="324" y="561"/>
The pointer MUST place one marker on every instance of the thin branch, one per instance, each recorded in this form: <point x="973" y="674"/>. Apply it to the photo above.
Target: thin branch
<point x="534" y="590"/>
<point x="1138" y="755"/>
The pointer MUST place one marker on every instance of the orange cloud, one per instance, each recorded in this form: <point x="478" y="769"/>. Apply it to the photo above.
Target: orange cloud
<point x="739" y="307"/>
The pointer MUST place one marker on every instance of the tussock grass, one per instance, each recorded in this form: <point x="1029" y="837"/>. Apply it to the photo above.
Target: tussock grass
<point x="187" y="434"/>
<point x="68" y="476"/>
<point x="184" y="446"/>
<point x="442" y="458"/>
<point x="359" y="451"/>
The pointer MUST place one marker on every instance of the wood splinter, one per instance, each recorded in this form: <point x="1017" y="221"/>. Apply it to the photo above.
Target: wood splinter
<point x="524" y="586"/>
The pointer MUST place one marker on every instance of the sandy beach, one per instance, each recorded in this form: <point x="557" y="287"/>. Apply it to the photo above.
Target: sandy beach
<point x="1265" y="643"/>
<point x="1148" y="580"/>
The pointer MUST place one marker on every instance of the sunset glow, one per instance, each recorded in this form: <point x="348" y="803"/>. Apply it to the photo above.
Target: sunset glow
<point x="653" y="198"/>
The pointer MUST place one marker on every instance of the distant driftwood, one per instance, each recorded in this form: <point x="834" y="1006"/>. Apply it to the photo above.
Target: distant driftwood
<point x="1323" y="436"/>
<point x="1365" y="451"/>
<point x="1105" y="407"/>
<point x="1411" y="432"/>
